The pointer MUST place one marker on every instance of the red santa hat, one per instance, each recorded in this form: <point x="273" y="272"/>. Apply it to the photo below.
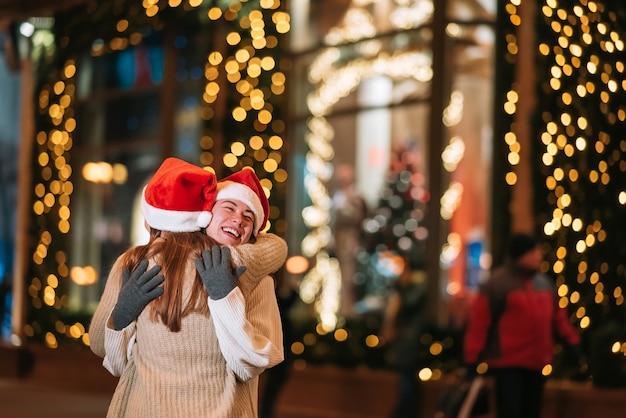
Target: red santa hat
<point x="174" y="198"/>
<point x="245" y="186"/>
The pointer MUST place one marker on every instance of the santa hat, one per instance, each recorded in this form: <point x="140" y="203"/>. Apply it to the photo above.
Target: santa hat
<point x="174" y="198"/>
<point x="246" y="187"/>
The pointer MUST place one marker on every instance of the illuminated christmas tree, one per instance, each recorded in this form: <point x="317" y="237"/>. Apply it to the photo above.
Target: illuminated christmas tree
<point x="395" y="228"/>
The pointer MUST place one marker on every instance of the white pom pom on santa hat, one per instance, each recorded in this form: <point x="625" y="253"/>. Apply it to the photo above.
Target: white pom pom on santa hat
<point x="174" y="198"/>
<point x="245" y="186"/>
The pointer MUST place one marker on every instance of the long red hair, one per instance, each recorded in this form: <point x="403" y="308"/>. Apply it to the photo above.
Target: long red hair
<point x="173" y="251"/>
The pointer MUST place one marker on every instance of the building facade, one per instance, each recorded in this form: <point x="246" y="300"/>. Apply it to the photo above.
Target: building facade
<point x="457" y="122"/>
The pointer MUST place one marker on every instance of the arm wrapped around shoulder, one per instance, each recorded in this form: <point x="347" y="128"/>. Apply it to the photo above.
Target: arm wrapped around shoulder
<point x="261" y="258"/>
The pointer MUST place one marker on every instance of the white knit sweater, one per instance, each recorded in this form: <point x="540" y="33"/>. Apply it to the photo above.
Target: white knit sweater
<point x="211" y="367"/>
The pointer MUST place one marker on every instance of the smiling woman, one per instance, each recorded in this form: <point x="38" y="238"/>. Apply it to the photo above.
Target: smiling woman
<point x="241" y="209"/>
<point x="223" y="312"/>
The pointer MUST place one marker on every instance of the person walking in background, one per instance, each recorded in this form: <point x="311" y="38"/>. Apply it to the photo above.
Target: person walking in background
<point x="512" y="326"/>
<point x="402" y="327"/>
<point x="194" y="340"/>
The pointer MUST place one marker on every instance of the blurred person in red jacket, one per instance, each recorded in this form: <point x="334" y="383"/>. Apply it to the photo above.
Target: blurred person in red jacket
<point x="512" y="327"/>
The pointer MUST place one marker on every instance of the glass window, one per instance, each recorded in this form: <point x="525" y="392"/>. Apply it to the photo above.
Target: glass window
<point x="362" y="106"/>
<point x="128" y="105"/>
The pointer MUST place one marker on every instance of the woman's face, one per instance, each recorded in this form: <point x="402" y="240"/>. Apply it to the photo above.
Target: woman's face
<point x="232" y="222"/>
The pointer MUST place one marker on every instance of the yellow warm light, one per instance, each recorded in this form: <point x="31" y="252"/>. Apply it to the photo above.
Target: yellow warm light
<point x="51" y="340"/>
<point x="69" y="70"/>
<point x="49" y="296"/>
<point x="510" y="178"/>
<point x="297" y="264"/>
<point x="340" y="334"/>
<point x="309" y="339"/>
<point x="482" y="368"/>
<point x="233" y="38"/>
<point x="269" y="4"/>
<point x="372" y="341"/>
<point x="121" y="25"/>
<point x="237" y="148"/>
<point x="585" y="322"/>
<point x="230" y="160"/>
<point x="215" y="58"/>
<point x="275" y="142"/>
<point x="425" y="374"/>
<point x="212" y="88"/>
<point x="77" y="330"/>
<point x="616" y="347"/>
<point x="256" y="142"/>
<point x="270" y="165"/>
<point x="152" y="11"/>
<point x="239" y="114"/>
<point x="98" y="172"/>
<point x="265" y="117"/>
<point x="120" y="174"/>
<point x="214" y="13"/>
<point x="436" y="348"/>
<point x="297" y="348"/>
<point x="83" y="276"/>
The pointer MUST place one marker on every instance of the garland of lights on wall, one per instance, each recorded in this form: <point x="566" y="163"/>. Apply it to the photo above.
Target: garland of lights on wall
<point x="257" y="85"/>
<point x="582" y="159"/>
<point x="578" y="158"/>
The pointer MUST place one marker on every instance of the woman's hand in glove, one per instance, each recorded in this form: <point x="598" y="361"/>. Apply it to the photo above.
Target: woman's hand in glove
<point x="216" y="272"/>
<point x="138" y="289"/>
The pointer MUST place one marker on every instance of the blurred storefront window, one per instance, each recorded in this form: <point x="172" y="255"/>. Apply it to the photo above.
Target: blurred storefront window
<point x="404" y="99"/>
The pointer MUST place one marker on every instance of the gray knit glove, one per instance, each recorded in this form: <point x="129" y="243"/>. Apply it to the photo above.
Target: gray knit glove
<point x="217" y="274"/>
<point x="137" y="291"/>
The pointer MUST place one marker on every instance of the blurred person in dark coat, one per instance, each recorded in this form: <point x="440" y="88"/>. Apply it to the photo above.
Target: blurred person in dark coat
<point x="512" y="327"/>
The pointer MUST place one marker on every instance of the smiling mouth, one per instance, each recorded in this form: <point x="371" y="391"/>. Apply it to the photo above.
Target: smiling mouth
<point x="232" y="232"/>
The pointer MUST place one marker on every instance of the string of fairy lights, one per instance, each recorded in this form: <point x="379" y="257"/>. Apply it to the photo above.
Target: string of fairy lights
<point x="244" y="68"/>
<point x="249" y="66"/>
<point x="53" y="197"/>
<point x="579" y="154"/>
<point x="583" y="156"/>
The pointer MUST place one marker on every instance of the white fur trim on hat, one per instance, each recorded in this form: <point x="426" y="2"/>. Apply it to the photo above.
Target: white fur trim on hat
<point x="169" y="220"/>
<point x="243" y="193"/>
<point x="204" y="219"/>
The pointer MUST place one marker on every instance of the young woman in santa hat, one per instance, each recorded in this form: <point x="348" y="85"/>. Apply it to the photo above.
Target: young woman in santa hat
<point x="176" y="354"/>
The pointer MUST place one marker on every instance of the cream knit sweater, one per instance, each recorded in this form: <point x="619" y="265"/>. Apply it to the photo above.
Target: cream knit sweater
<point x="211" y="367"/>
